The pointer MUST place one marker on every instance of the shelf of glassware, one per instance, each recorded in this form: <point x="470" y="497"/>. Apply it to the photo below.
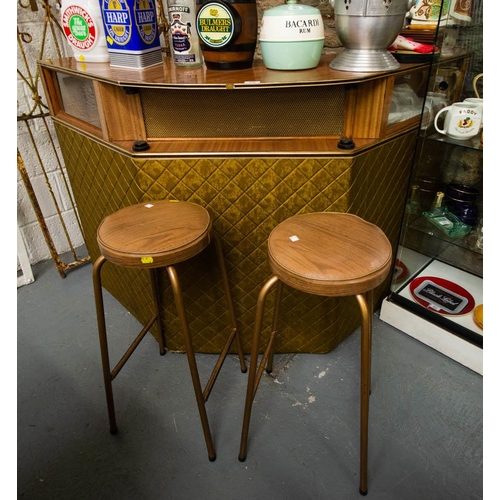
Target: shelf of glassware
<point x="465" y="253"/>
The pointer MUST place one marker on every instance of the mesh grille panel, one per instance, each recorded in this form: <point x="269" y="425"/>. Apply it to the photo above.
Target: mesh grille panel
<point x="229" y="113"/>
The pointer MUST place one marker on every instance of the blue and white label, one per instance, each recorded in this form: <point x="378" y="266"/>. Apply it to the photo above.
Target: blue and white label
<point x="145" y="20"/>
<point x="117" y="20"/>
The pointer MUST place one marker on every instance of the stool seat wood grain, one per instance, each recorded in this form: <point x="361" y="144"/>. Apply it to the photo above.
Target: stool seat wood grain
<point x="329" y="254"/>
<point x="155" y="235"/>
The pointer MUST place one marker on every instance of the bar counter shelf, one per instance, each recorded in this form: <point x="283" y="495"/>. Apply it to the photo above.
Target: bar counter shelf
<point x="252" y="111"/>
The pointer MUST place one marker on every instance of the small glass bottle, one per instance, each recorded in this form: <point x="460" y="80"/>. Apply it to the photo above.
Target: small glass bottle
<point x="443" y="219"/>
<point x="438" y="201"/>
<point x="182" y="34"/>
<point x="413" y="205"/>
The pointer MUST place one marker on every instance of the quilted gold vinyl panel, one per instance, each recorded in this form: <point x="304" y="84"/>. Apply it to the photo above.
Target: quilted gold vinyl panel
<point x="247" y="198"/>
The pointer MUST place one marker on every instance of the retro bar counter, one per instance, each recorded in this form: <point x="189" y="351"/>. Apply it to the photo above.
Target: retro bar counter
<point x="254" y="147"/>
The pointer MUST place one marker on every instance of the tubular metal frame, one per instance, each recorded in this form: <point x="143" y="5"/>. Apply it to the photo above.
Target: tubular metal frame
<point x="201" y="395"/>
<point x="365" y="302"/>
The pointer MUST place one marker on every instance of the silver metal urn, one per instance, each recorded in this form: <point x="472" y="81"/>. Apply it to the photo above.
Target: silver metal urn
<point x="366" y="29"/>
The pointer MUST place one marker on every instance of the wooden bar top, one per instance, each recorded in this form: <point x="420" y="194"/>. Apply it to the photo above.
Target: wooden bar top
<point x="166" y="75"/>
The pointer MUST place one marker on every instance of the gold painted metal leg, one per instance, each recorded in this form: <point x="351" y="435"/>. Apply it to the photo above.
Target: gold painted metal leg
<point x="255" y="375"/>
<point x="230" y="304"/>
<point x="369" y="302"/>
<point x="200" y="400"/>
<point x="153" y="273"/>
<point x="109" y="375"/>
<point x="234" y="335"/>
<point x="365" y="302"/>
<point x="276" y="316"/>
<point x="101" y="326"/>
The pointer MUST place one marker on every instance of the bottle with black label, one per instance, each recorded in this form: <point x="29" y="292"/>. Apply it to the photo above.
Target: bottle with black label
<point x="228" y="32"/>
<point x="183" y="37"/>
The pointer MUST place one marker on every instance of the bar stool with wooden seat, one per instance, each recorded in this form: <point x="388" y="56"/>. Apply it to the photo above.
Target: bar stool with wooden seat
<point x="154" y="235"/>
<point x="329" y="254"/>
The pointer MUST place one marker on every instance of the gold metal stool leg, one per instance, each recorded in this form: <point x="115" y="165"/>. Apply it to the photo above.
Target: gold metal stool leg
<point x="276" y="317"/>
<point x="153" y="273"/>
<point x="255" y="375"/>
<point x="101" y="326"/>
<point x="365" y="302"/>
<point x="234" y="335"/>
<point x="200" y="400"/>
<point x="108" y="374"/>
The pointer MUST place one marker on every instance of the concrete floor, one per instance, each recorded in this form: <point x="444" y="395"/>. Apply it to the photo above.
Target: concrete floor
<point x="426" y="415"/>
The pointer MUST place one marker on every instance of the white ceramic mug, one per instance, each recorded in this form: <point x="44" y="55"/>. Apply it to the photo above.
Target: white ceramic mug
<point x="462" y="120"/>
<point x="477" y="100"/>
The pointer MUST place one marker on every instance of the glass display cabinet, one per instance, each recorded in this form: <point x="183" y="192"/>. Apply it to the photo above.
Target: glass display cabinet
<point x="436" y="295"/>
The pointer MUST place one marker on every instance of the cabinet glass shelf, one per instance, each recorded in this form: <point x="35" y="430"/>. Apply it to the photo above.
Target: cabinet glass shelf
<point x="423" y="238"/>
<point x="474" y="143"/>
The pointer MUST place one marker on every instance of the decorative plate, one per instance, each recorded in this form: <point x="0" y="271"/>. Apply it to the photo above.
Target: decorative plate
<point x="442" y="296"/>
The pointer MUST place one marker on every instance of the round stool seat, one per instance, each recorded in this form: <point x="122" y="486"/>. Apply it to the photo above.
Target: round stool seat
<point x="154" y="234"/>
<point x="329" y="253"/>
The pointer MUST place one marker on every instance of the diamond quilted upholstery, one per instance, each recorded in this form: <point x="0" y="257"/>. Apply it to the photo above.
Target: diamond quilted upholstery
<point x="246" y="198"/>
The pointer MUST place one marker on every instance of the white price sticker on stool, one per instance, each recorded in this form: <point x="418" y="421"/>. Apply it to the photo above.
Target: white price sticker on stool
<point x="294" y="238"/>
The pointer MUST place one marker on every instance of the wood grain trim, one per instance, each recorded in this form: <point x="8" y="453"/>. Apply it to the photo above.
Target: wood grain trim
<point x="405" y="126"/>
<point x="51" y="89"/>
<point x="309" y="147"/>
<point x="369" y="114"/>
<point x="389" y="88"/>
<point x="350" y="111"/>
<point x="120" y="113"/>
<point x="100" y="110"/>
<point x="78" y="125"/>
